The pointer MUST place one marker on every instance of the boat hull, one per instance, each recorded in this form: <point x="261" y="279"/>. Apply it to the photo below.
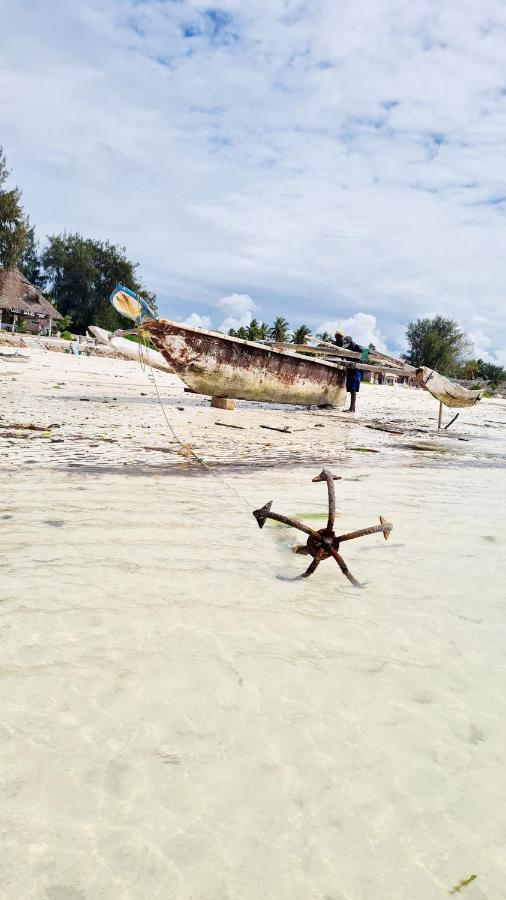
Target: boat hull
<point x="222" y="366"/>
<point x="130" y="348"/>
<point x="444" y="390"/>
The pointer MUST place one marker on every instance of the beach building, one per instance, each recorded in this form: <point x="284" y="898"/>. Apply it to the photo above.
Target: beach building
<point x="21" y="301"/>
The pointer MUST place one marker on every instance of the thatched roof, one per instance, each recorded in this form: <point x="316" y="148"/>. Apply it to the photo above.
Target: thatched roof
<point x="18" y="296"/>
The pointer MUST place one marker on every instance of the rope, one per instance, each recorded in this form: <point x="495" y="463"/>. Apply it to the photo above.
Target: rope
<point x="186" y="448"/>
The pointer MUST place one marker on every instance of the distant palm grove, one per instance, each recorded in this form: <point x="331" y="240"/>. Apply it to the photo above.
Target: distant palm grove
<point x="77" y="275"/>
<point x="279" y="331"/>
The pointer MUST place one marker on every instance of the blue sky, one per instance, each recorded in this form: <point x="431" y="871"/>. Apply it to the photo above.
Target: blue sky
<point x="326" y="161"/>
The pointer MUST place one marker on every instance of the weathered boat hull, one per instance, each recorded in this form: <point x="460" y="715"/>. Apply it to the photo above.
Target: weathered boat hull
<point x="130" y="348"/>
<point x="444" y="390"/>
<point x="222" y="366"/>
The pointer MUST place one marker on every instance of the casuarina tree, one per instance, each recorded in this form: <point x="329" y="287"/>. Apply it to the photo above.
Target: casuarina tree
<point x="30" y="260"/>
<point x="81" y="274"/>
<point x="437" y="343"/>
<point x="12" y="220"/>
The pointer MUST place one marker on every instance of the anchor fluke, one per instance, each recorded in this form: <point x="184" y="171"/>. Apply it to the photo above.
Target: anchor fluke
<point x="262" y="514"/>
<point x="387" y="527"/>
<point x="325" y="475"/>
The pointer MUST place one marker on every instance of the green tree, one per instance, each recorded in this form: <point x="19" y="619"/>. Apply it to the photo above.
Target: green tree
<point x="301" y="334"/>
<point x="12" y="220"/>
<point x="243" y="333"/>
<point x="492" y="373"/>
<point x="280" y="330"/>
<point x="82" y="272"/>
<point x="324" y="336"/>
<point x="437" y="343"/>
<point x="253" y="330"/>
<point x="263" y="331"/>
<point x="470" y="369"/>
<point x="30" y="262"/>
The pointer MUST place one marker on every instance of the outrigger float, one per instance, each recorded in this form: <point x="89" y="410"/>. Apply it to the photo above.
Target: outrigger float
<point x="221" y="366"/>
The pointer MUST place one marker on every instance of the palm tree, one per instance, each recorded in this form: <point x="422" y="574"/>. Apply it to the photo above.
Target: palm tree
<point x="301" y="334"/>
<point x="280" y="330"/>
<point x="324" y="336"/>
<point x="253" y="330"/>
<point x="232" y="332"/>
<point x="263" y="331"/>
<point x="243" y="333"/>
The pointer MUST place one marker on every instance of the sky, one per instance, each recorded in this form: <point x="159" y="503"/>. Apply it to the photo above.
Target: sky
<point x="336" y="162"/>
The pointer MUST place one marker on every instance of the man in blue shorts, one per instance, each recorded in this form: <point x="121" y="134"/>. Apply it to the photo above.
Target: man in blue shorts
<point x="353" y="379"/>
<point x="353" y="376"/>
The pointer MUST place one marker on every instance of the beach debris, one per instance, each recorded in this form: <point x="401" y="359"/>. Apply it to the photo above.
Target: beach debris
<point x="28" y="427"/>
<point x="364" y="449"/>
<point x="452" y="421"/>
<point x="391" y="429"/>
<point x="324" y="543"/>
<point x="284" y="430"/>
<point x="228" y="425"/>
<point x="462" y="884"/>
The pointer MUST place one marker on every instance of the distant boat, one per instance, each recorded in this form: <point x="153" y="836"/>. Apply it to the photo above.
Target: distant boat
<point x="130" y="348"/>
<point x="444" y="390"/>
<point x="13" y="356"/>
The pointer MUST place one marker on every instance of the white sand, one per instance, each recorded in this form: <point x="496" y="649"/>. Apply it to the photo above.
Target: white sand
<point x="180" y="720"/>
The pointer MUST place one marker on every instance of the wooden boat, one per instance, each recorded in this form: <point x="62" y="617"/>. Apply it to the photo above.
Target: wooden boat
<point x="444" y="390"/>
<point x="221" y="366"/>
<point x="447" y="392"/>
<point x="130" y="348"/>
<point x="13" y="356"/>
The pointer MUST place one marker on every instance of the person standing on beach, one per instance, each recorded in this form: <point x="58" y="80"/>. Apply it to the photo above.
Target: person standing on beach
<point x="353" y="376"/>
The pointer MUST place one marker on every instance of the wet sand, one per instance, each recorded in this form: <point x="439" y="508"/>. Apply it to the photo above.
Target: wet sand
<point x="183" y="720"/>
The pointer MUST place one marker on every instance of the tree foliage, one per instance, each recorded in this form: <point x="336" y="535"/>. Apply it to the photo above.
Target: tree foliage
<point x="324" y="336"/>
<point x="437" y="343"/>
<point x="12" y="220"/>
<point x="29" y="262"/>
<point x="280" y="330"/>
<point x="301" y="334"/>
<point x="81" y="273"/>
<point x="255" y="331"/>
<point x="474" y="369"/>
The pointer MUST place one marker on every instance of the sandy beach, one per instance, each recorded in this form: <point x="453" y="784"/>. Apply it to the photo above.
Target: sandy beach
<point x="181" y="719"/>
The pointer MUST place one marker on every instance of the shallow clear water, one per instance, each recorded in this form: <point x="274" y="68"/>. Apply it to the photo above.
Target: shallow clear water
<point x="182" y="720"/>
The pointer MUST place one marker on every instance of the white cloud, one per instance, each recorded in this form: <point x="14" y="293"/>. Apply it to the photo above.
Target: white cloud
<point x="362" y="327"/>
<point x="239" y="309"/>
<point x="481" y="344"/>
<point x="196" y="321"/>
<point x="481" y="349"/>
<point x="347" y="155"/>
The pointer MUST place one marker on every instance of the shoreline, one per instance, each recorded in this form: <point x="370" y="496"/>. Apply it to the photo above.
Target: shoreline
<point x="181" y="708"/>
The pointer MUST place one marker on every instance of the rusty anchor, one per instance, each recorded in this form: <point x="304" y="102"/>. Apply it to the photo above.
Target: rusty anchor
<point x="324" y="543"/>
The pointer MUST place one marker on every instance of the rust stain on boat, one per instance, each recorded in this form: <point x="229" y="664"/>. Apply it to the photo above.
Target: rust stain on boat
<point x="216" y="364"/>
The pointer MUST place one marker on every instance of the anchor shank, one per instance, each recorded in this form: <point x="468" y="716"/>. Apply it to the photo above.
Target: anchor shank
<point x="278" y="517"/>
<point x="361" y="532"/>
<point x="332" y="501"/>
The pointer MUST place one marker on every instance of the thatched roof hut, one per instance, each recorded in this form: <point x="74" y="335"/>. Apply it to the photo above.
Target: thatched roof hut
<point x="21" y="300"/>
